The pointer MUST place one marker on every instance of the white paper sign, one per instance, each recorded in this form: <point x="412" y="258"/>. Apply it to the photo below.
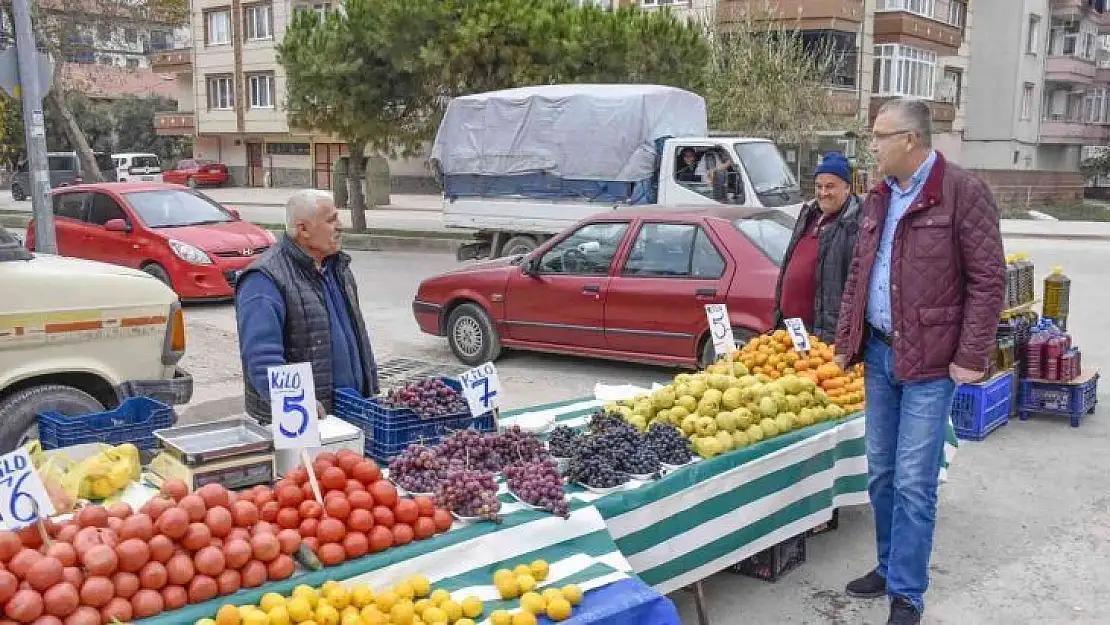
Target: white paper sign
<point x="22" y="492"/>
<point x="293" y="406"/>
<point x="481" y="389"/>
<point x="720" y="329"/>
<point x="798" y="333"/>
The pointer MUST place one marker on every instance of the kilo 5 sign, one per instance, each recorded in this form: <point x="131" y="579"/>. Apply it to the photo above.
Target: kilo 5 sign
<point x="23" y="497"/>
<point x="293" y="406"/>
<point x="797" y="329"/>
<point x="481" y="389"/>
<point x="720" y="329"/>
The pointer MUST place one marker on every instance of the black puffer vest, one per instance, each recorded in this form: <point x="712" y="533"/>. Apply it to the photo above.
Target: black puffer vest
<point x="307" y="329"/>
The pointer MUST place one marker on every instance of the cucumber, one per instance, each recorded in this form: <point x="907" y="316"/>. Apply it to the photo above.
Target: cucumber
<point x="307" y="559"/>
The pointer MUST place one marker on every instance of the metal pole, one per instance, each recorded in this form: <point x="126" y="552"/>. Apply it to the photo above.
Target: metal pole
<point x="34" y="126"/>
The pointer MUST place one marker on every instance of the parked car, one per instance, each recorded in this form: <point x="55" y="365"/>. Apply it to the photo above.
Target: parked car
<point x="65" y="169"/>
<point x="174" y="233"/>
<point x="138" y="167"/>
<point x="630" y="285"/>
<point x="197" y="172"/>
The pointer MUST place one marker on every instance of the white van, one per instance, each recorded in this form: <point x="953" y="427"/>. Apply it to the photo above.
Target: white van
<point x="138" y="167"/>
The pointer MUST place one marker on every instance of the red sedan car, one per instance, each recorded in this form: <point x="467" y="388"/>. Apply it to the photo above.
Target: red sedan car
<point x="197" y="172"/>
<point x="175" y="234"/>
<point x="627" y="285"/>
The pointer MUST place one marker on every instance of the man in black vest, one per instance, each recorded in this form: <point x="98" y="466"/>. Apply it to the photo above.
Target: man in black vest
<point x="298" y="303"/>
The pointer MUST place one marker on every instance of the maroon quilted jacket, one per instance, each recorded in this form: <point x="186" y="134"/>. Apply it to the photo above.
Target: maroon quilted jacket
<point x="947" y="276"/>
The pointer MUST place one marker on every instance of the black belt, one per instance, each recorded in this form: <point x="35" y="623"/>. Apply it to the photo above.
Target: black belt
<point x="879" y="334"/>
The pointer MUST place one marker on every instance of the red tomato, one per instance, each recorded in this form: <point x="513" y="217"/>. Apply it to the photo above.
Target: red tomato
<point x="360" y="520"/>
<point x="288" y="518"/>
<point x="331" y="530"/>
<point x="308" y="527"/>
<point x="425" y="505"/>
<point x="383" y="516"/>
<point x="424" y="528"/>
<point x="356" y="545"/>
<point x="290" y="496"/>
<point x="406" y="511"/>
<point x="311" y="509"/>
<point x="338" y="507"/>
<point x="381" y="538"/>
<point x="333" y="478"/>
<point x="402" y="534"/>
<point x="299" y="475"/>
<point x="361" y="500"/>
<point x="442" y="519"/>
<point x="353" y="486"/>
<point x="367" y="472"/>
<point x="270" y="511"/>
<point x="384" y="493"/>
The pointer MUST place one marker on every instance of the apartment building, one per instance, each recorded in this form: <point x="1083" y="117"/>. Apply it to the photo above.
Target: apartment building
<point x="231" y="98"/>
<point x="108" y="34"/>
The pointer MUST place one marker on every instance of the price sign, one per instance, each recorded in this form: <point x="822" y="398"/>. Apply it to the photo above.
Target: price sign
<point x="798" y="333"/>
<point x="23" y="497"/>
<point x="720" y="329"/>
<point x="293" y="406"/>
<point x="481" y="389"/>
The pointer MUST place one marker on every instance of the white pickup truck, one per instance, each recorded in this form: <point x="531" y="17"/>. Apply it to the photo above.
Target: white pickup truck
<point x="521" y="165"/>
<point x="77" y="336"/>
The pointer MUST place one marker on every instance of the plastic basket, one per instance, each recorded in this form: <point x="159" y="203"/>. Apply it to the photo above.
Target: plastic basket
<point x="396" y="426"/>
<point x="383" y="452"/>
<point x="979" y="409"/>
<point x="134" y="421"/>
<point x="1063" y="398"/>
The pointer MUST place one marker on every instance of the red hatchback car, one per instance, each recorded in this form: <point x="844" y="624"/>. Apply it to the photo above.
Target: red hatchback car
<point x="175" y="234"/>
<point x="626" y="285"/>
<point x="197" y="172"/>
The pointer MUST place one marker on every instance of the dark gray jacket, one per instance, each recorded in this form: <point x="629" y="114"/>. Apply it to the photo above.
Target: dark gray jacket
<point x="835" y="247"/>
<point x="307" y="336"/>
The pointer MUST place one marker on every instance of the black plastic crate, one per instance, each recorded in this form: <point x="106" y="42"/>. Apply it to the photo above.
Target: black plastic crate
<point x="827" y="526"/>
<point x="771" y="564"/>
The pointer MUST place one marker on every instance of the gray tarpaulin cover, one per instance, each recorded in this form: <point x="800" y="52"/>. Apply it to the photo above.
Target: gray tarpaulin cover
<point x="575" y="132"/>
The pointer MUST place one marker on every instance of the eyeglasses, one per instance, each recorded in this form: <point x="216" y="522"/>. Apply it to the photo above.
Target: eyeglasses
<point x="893" y="133"/>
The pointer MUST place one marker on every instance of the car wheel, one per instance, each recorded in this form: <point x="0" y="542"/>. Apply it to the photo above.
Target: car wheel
<point x="17" y="193"/>
<point x="471" y="335"/>
<point x="19" y="412"/>
<point x="708" y="355"/>
<point x="191" y="182"/>
<point x="518" y="245"/>
<point x="159" y="272"/>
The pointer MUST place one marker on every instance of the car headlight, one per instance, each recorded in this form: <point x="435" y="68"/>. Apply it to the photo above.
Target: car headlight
<point x="189" y="253"/>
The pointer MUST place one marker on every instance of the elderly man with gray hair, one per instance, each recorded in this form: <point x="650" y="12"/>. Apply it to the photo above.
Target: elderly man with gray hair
<point x="298" y="303"/>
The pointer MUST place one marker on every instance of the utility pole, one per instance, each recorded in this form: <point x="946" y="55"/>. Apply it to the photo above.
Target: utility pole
<point x="34" y="126"/>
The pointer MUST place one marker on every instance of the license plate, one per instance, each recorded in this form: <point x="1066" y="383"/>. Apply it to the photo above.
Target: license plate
<point x="148" y="178"/>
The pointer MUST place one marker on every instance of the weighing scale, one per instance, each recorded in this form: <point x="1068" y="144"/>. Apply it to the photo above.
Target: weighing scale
<point x="335" y="435"/>
<point x="235" y="453"/>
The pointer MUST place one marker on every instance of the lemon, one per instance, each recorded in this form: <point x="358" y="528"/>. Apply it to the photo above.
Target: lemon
<point x="533" y="602"/>
<point x="371" y="615"/>
<point x="524" y="618"/>
<point x="256" y="617"/>
<point x="500" y="617"/>
<point x="508" y="588"/>
<point x="472" y="607"/>
<point x="309" y="593"/>
<point x="539" y="569"/>
<point x="270" y="601"/>
<point x="326" y="615"/>
<point x="279" y="615"/>
<point x="434" y="615"/>
<point x="227" y="615"/>
<point x="361" y="596"/>
<point x="348" y="611"/>
<point x="244" y="610"/>
<point x="205" y="621"/>
<point x="572" y="593"/>
<point x="350" y="619"/>
<point x="328" y="585"/>
<point x="338" y="597"/>
<point x="420" y="585"/>
<point x="385" y="600"/>
<point x="527" y="583"/>
<point x="501" y="574"/>
<point x="464" y="621"/>
<point x="452" y="609"/>
<point x="439" y="595"/>
<point x="558" y="610"/>
<point x="404" y="591"/>
<point x="422" y="605"/>
<point x="300" y="610"/>
<point x="522" y="569"/>
<point x="402" y="613"/>
<point x="550" y="594"/>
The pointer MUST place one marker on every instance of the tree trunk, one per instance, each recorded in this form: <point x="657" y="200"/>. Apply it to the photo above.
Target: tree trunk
<point x="56" y="100"/>
<point x="356" y="174"/>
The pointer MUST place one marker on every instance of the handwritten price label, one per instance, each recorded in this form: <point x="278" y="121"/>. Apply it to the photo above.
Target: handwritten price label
<point x="720" y="329"/>
<point x="293" y="406"/>
<point x="481" y="388"/>
<point x="23" y="497"/>
<point x="798" y="333"/>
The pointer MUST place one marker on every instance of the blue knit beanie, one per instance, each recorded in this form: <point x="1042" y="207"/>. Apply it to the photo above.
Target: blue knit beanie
<point x="835" y="163"/>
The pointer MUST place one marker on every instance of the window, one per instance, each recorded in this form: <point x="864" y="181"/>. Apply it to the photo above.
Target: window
<point x="104" y="209"/>
<point x="587" y="251"/>
<point x="288" y="149"/>
<point x="1094" y="105"/>
<point x="132" y="63"/>
<point x="70" y="205"/>
<point x="104" y="32"/>
<point x="950" y="86"/>
<point x="62" y="163"/>
<point x="217" y="27"/>
<point x="221" y="94"/>
<point x="957" y="11"/>
<point x="261" y="88"/>
<point x="921" y="7"/>
<point x="904" y="71"/>
<point x="661" y="250"/>
<point x="1033" y="34"/>
<point x="1027" y="100"/>
<point x="175" y="208"/>
<point x="321" y="9"/>
<point x="1077" y="39"/>
<point x="652" y="3"/>
<point x="130" y="35"/>
<point x="707" y="262"/>
<point x="258" y="22"/>
<point x="770" y="232"/>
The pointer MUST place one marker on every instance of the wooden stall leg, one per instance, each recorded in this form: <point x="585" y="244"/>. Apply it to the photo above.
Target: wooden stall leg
<point x="699" y="602"/>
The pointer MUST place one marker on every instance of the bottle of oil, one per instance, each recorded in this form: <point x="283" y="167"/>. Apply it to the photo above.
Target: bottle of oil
<point x="1057" y="293"/>
<point x="1011" y="281"/>
<point x="1025" y="279"/>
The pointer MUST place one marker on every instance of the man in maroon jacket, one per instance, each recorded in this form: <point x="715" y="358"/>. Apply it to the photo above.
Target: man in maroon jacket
<point x="920" y="309"/>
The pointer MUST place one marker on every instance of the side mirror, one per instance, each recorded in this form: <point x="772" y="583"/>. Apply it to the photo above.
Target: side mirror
<point x="528" y="266"/>
<point x="117" y="225"/>
<point x="235" y="214"/>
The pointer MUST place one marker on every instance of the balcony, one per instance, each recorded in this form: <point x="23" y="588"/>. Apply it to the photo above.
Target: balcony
<point x="1070" y="69"/>
<point x="1073" y="133"/>
<point x="803" y="14"/>
<point x="918" y="31"/>
<point x="1077" y="9"/>
<point x="174" y="123"/>
<point x="172" y="61"/>
<point x="944" y="113"/>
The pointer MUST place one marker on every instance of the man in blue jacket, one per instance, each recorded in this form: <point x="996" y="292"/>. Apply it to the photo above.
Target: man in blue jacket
<point x="298" y="303"/>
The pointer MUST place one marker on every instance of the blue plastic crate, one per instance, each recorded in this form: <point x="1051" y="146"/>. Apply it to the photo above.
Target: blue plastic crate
<point x="383" y="452"/>
<point x="979" y="409"/>
<point x="134" y="421"/>
<point x="1063" y="398"/>
<point x="396" y="426"/>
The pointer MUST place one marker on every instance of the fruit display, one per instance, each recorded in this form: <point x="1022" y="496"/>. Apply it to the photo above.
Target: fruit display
<point x="563" y="441"/>
<point x="469" y="493"/>
<point x="98" y="476"/>
<point x="413" y="600"/>
<point x="538" y="483"/>
<point x="668" y="443"/>
<point x="428" y="398"/>
<point x="773" y="355"/>
<point x="417" y="469"/>
<point x="521" y="582"/>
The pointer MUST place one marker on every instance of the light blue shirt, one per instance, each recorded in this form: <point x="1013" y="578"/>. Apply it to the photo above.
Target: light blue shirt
<point x="878" y="292"/>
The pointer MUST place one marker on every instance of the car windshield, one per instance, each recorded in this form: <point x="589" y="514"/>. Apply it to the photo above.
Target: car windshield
<point x="173" y="208"/>
<point x="11" y="248"/>
<point x="769" y="231"/>
<point x="774" y="183"/>
<point x="145" y="161"/>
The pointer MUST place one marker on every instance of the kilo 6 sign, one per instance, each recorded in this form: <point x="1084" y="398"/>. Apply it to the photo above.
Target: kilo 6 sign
<point x="23" y="498"/>
<point x="293" y="406"/>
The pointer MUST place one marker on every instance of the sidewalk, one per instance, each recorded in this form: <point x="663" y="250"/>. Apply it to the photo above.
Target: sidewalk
<point x="257" y="196"/>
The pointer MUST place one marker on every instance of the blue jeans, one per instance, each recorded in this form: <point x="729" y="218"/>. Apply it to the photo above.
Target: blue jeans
<point x="906" y="424"/>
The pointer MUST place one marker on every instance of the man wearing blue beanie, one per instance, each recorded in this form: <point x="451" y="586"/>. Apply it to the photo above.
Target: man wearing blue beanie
<point x="815" y="267"/>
